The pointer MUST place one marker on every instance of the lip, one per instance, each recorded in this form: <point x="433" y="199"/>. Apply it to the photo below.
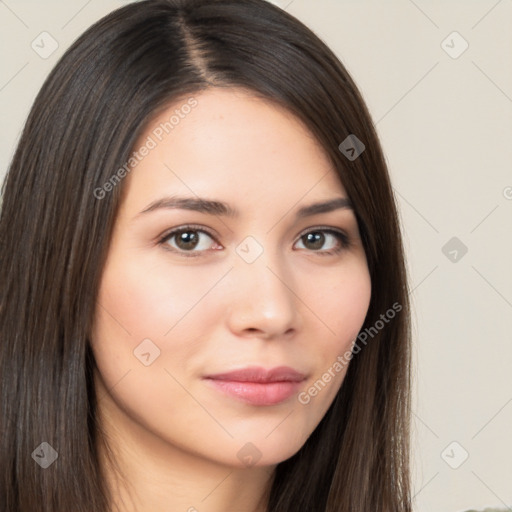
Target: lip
<point x="260" y="374"/>
<point x="258" y="386"/>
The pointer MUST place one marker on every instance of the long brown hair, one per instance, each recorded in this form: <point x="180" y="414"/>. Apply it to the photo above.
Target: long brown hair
<point x="55" y="232"/>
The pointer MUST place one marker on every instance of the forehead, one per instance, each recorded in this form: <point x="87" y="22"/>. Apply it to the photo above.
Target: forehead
<point x="226" y="143"/>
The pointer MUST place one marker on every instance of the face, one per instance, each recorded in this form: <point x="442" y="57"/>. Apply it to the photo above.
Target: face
<point x="189" y="292"/>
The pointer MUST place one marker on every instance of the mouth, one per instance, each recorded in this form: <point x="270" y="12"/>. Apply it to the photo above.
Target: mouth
<point x="258" y="386"/>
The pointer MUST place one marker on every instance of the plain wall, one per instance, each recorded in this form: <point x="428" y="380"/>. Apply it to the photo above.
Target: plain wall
<point x="445" y="121"/>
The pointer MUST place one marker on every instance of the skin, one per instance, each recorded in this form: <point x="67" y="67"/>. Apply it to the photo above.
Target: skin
<point x="175" y="438"/>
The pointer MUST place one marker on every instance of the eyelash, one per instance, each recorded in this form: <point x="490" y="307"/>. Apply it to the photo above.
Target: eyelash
<point x="344" y="240"/>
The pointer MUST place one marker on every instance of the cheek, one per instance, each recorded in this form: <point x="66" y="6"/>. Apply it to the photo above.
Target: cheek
<point x="144" y="298"/>
<point x="145" y="308"/>
<point x="141" y="299"/>
<point x="341" y="300"/>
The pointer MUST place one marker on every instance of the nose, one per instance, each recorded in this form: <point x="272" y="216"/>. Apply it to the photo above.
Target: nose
<point x="263" y="302"/>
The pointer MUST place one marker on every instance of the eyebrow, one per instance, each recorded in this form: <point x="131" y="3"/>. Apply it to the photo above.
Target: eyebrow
<point x="212" y="207"/>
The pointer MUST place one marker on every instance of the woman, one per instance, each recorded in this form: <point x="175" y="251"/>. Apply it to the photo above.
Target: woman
<point x="205" y="304"/>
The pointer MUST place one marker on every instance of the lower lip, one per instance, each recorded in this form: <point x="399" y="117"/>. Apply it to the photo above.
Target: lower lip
<point x="258" y="393"/>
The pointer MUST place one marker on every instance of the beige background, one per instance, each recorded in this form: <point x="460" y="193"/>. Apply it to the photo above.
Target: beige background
<point x="446" y="128"/>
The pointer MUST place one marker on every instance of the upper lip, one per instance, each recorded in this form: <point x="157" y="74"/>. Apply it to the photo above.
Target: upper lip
<point x="260" y="374"/>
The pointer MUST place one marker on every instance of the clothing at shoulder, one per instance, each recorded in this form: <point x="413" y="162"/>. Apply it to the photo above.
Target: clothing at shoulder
<point x="489" y="510"/>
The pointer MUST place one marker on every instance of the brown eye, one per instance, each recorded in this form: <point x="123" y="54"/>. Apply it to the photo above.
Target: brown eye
<point x="315" y="240"/>
<point x="188" y="240"/>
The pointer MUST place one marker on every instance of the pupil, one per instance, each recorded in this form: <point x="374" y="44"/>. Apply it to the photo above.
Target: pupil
<point x="187" y="240"/>
<point x="316" y="238"/>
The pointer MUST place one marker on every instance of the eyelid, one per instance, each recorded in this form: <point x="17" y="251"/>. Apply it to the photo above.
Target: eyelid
<point x="323" y="228"/>
<point x="192" y="227"/>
